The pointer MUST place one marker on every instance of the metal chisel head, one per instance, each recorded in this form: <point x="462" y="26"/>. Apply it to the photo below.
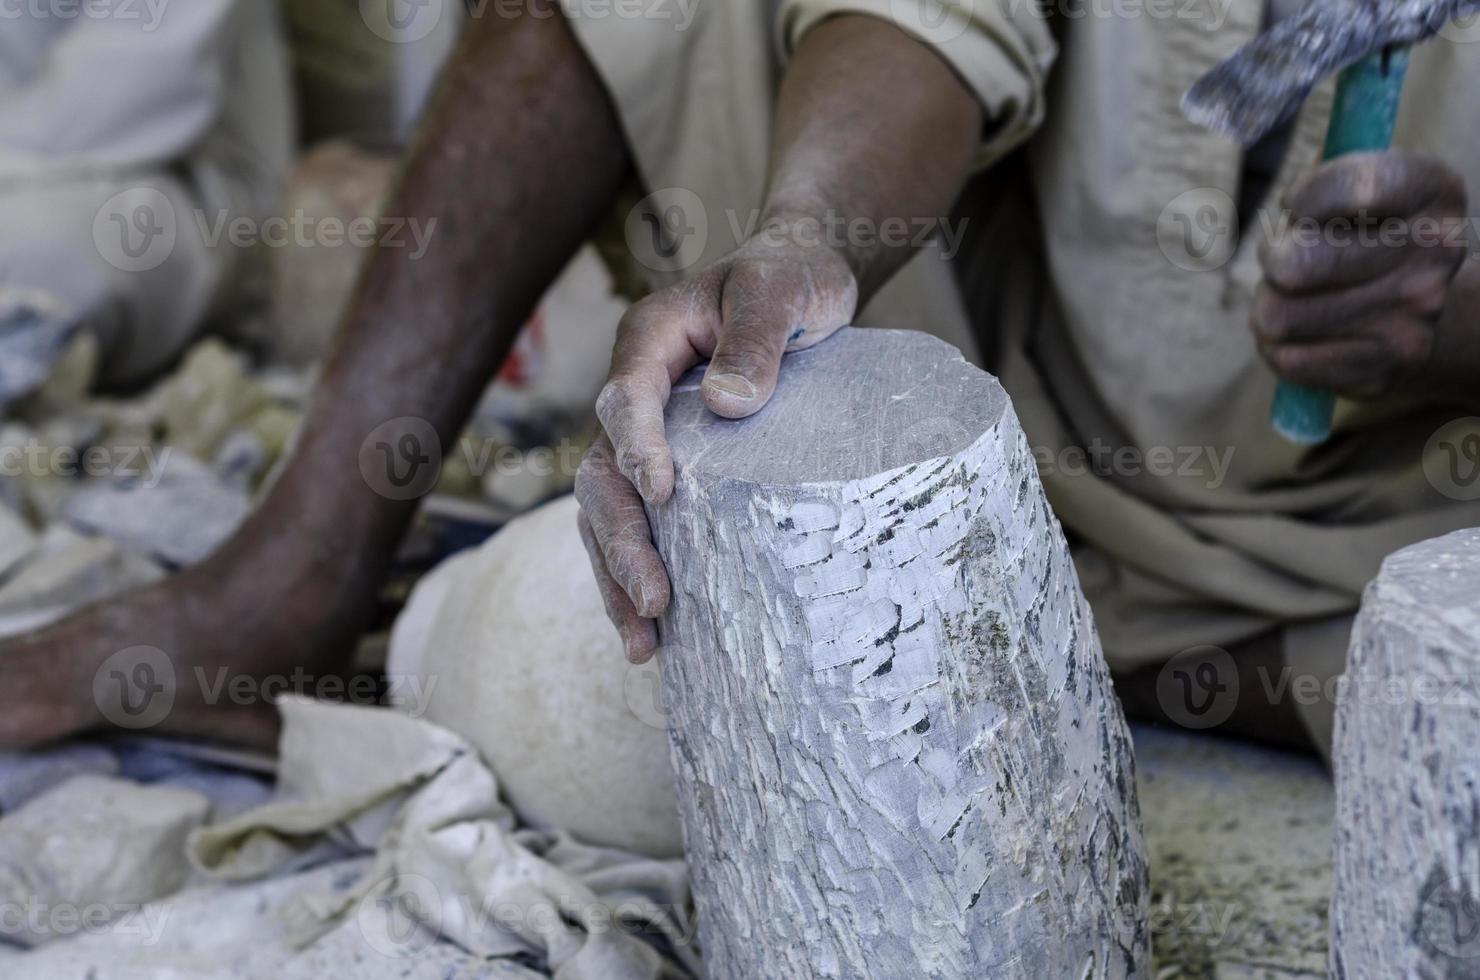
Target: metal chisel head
<point x="1264" y="82"/>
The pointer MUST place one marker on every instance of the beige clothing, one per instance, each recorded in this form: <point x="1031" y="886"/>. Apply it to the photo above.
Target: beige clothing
<point x="131" y="135"/>
<point x="695" y="104"/>
<point x="1105" y="286"/>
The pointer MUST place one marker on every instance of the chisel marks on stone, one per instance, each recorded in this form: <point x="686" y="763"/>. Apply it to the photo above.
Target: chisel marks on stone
<point x="1407" y="857"/>
<point x="898" y="751"/>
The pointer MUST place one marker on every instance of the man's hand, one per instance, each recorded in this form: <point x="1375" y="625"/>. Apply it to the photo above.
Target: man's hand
<point x="871" y="126"/>
<point x="780" y="291"/>
<point x="1356" y="286"/>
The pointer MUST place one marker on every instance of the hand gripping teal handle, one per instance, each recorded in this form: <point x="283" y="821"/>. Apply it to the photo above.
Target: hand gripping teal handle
<point x="1362" y="118"/>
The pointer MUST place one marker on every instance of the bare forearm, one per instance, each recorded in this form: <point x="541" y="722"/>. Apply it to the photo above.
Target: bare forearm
<point x="873" y="133"/>
<point x="519" y="157"/>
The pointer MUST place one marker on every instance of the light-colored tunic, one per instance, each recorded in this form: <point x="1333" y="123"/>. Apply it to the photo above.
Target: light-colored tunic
<point x="129" y="129"/>
<point x="1108" y="288"/>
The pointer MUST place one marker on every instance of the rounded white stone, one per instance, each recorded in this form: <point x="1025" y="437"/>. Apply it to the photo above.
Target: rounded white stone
<point x="523" y="663"/>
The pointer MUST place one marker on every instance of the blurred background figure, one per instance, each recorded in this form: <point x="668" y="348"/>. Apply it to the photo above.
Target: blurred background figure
<point x="132" y="135"/>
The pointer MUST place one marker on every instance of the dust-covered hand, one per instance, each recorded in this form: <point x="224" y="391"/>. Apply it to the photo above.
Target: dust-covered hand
<point x="851" y="149"/>
<point x="778" y="292"/>
<point x="1358" y="278"/>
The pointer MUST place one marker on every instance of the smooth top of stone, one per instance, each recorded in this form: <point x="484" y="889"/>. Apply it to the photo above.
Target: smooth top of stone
<point x="860" y="403"/>
<point x="1439" y="578"/>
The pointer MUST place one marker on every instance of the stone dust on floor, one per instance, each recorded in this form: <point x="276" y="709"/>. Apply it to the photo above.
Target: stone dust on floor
<point x="1239" y="838"/>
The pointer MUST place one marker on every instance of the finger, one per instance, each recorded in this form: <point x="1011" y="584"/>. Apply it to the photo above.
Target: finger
<point x="639" y="635"/>
<point x="765" y="308"/>
<point x="1310" y="257"/>
<point x="1356" y="218"/>
<point x="654" y="347"/>
<point x="620" y="527"/>
<point x="1283" y="318"/>
<point x="1357" y="368"/>
<point x="1387" y="184"/>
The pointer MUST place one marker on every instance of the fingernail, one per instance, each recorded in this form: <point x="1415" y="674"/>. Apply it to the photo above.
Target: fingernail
<point x="639" y="597"/>
<point x="645" y="482"/>
<point x="732" y="384"/>
<point x="633" y="656"/>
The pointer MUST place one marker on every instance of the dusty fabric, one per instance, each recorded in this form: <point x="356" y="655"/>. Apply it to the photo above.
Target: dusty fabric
<point x="1110" y="291"/>
<point x="237" y="932"/>
<point x="1226" y="894"/>
<point x="127" y="132"/>
<point x="449" y="850"/>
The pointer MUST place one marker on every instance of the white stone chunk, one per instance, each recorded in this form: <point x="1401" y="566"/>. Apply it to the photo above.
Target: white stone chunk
<point x="90" y="851"/>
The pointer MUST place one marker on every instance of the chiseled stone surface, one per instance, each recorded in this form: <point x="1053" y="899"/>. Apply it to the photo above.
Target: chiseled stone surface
<point x="897" y="748"/>
<point x="1407" y="756"/>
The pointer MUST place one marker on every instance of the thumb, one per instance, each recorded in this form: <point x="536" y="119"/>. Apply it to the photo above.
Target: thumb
<point x="761" y="316"/>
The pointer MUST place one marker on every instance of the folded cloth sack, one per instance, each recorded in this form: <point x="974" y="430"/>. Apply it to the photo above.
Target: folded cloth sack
<point x="449" y="853"/>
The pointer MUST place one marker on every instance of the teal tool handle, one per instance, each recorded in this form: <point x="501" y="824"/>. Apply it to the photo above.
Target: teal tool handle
<point x="1362" y="118"/>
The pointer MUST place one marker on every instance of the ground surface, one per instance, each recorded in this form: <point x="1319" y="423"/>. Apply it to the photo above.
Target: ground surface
<point x="1240" y="867"/>
<point x="1240" y="842"/>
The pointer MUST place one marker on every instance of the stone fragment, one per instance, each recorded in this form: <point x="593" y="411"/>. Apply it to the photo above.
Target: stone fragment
<point x="178" y="516"/>
<point x="94" y="846"/>
<point x="209" y="396"/>
<point x="67" y="571"/>
<point x="17" y="540"/>
<point x="35" y="330"/>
